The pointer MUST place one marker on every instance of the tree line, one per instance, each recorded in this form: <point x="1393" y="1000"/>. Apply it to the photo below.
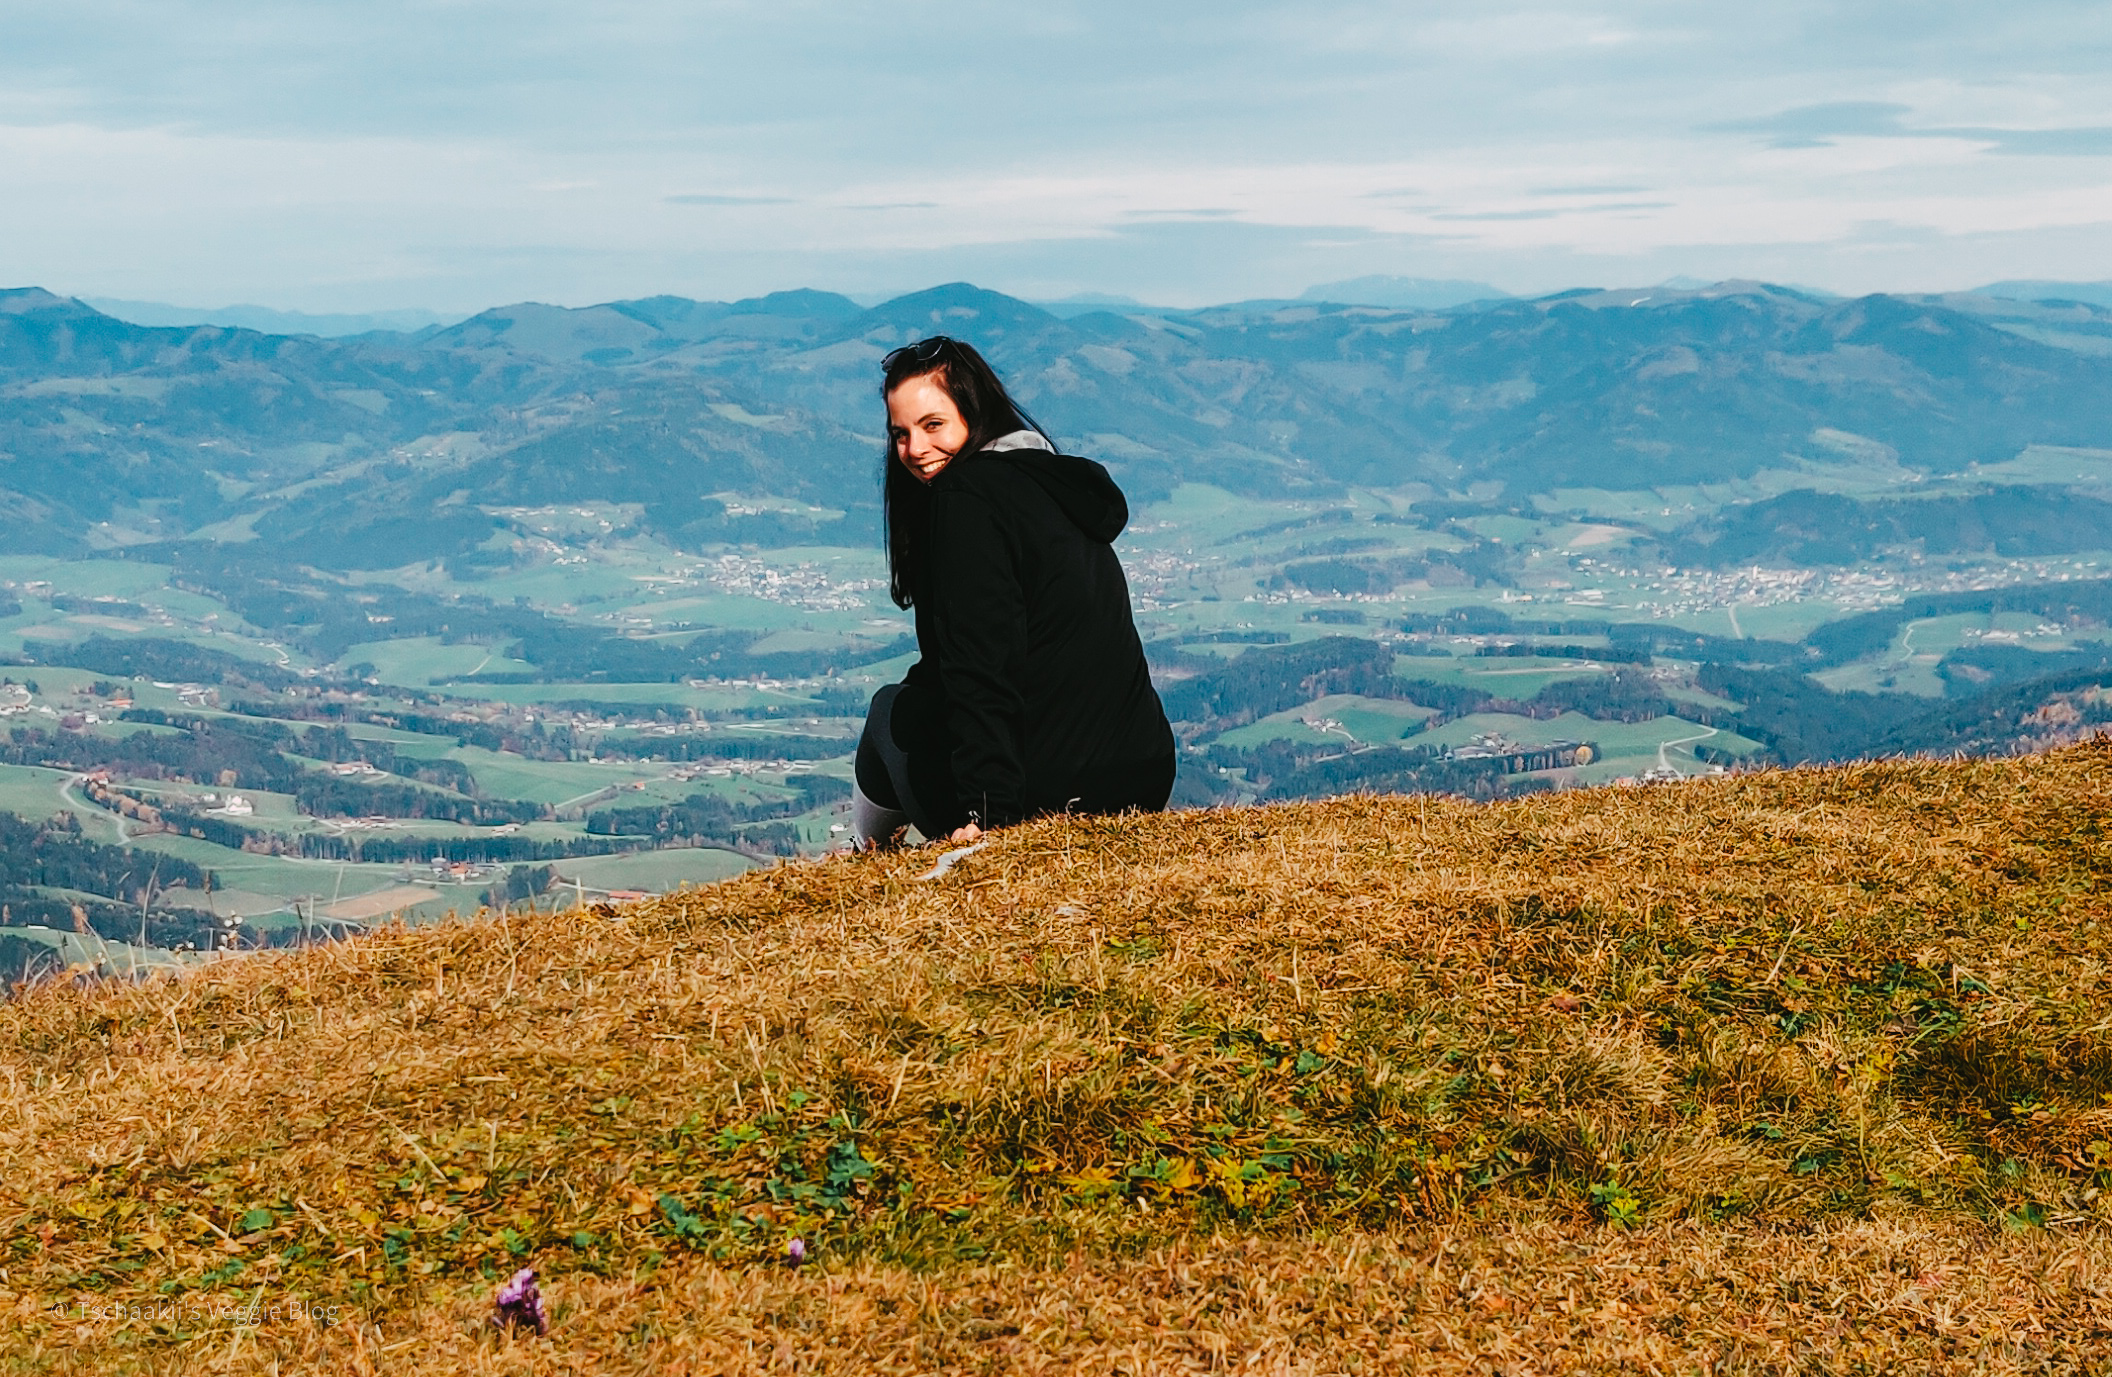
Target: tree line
<point x="713" y="820"/>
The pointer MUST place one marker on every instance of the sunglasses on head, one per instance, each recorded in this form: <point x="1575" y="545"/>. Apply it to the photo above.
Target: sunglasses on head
<point x="923" y="351"/>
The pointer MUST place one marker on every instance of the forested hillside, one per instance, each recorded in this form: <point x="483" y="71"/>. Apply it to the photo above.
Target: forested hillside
<point x="383" y="449"/>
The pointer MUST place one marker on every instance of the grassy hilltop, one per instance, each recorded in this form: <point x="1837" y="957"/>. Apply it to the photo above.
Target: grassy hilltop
<point x="1804" y="1069"/>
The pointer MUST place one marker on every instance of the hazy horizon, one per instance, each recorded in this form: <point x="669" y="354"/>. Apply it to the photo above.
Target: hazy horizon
<point x="270" y="319"/>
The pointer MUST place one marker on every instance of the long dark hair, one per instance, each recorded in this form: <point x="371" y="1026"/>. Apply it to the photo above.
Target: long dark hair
<point x="989" y="412"/>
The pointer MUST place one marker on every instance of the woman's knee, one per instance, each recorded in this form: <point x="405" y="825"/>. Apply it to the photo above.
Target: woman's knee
<point x="874" y="824"/>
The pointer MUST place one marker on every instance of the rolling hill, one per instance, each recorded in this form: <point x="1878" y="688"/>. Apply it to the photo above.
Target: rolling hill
<point x="379" y="446"/>
<point x="1796" y="1070"/>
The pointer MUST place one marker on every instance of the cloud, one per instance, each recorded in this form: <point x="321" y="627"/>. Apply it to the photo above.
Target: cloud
<point x="1192" y="213"/>
<point x="1817" y="126"/>
<point x="1614" y="190"/>
<point x="702" y="199"/>
<point x="2093" y="142"/>
<point x="1822" y="126"/>
<point x="1496" y="215"/>
<point x="386" y="154"/>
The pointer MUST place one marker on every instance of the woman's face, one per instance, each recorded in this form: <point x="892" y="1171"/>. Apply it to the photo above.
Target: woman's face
<point x="926" y="425"/>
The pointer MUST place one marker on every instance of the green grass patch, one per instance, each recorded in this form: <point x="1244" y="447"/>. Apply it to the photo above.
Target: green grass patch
<point x="32" y="792"/>
<point x="655" y="871"/>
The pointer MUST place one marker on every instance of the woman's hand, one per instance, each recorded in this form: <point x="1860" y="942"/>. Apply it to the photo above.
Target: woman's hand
<point x="967" y="832"/>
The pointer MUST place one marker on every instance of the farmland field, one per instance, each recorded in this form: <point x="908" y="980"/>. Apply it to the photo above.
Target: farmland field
<point x="655" y="871"/>
<point x="30" y="792"/>
<point x="513" y="764"/>
<point x="1367" y="720"/>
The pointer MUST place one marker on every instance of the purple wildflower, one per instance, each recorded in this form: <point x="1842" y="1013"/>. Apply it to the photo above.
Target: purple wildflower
<point x="519" y="1303"/>
<point x="796" y="1251"/>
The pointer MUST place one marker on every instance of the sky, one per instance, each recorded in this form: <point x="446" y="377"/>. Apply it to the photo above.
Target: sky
<point x="360" y="155"/>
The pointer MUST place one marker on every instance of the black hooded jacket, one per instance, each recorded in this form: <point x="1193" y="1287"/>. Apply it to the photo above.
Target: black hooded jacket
<point x="1025" y="630"/>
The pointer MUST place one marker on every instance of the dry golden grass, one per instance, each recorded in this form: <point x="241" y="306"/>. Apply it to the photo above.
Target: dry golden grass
<point x="1806" y="1068"/>
<point x="1876" y="1298"/>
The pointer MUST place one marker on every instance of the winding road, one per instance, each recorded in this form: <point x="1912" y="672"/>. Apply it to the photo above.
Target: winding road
<point x="90" y="813"/>
<point x="1663" y="746"/>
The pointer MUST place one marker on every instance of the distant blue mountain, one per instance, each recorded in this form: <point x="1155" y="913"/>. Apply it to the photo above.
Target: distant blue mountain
<point x="957" y="308"/>
<point x="267" y="321"/>
<point x="1085" y="303"/>
<point x="2030" y="289"/>
<point x="383" y="449"/>
<point x="1428" y="293"/>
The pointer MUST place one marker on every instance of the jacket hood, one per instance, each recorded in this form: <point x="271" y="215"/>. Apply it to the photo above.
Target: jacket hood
<point x="1083" y="489"/>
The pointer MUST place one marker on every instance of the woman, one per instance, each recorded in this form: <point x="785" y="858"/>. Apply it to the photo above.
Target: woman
<point x="1031" y="695"/>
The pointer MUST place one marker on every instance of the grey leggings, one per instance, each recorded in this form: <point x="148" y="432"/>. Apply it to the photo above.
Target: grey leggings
<point x="904" y="768"/>
<point x="905" y="775"/>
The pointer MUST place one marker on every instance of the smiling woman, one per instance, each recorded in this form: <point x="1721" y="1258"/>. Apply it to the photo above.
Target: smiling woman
<point x="1032" y="695"/>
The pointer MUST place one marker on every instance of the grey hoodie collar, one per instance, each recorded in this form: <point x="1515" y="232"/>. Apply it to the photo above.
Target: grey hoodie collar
<point x="1020" y="439"/>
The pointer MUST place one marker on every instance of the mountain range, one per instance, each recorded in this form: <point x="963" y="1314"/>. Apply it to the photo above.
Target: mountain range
<point x="379" y="448"/>
<point x="270" y="320"/>
<point x="2039" y="289"/>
